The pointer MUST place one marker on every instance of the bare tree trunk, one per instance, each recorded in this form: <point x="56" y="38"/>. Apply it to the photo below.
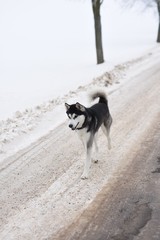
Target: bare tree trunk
<point x="96" y="4"/>
<point x="158" y="6"/>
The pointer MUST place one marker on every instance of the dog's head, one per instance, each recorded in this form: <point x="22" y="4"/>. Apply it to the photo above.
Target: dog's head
<point x="76" y="115"/>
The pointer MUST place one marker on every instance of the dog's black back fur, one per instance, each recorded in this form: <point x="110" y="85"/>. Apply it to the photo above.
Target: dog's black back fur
<point x="99" y="112"/>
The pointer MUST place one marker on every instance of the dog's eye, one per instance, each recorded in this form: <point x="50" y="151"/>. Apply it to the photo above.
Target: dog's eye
<point x="75" y="117"/>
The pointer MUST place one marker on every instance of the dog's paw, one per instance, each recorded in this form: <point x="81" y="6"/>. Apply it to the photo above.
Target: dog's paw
<point x="96" y="161"/>
<point x="84" y="176"/>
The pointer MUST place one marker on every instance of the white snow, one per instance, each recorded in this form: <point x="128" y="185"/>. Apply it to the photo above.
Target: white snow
<point x="47" y="57"/>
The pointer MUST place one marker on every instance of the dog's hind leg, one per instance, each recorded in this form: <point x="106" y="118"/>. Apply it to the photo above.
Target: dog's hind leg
<point x="96" y="149"/>
<point x="87" y="162"/>
<point x="106" y="130"/>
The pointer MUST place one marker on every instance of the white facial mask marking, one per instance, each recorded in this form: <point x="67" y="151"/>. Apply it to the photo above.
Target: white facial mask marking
<point x="76" y="122"/>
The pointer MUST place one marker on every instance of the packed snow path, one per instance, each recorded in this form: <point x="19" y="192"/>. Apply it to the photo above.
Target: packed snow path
<point x="41" y="189"/>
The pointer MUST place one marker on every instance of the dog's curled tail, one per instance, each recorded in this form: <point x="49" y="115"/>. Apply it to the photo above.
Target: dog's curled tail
<point x="101" y="95"/>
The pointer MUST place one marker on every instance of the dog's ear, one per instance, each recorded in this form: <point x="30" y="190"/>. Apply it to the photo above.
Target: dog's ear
<point x="67" y="106"/>
<point x="80" y="107"/>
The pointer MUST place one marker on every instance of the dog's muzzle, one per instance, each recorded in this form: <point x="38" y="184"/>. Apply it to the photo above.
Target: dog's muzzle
<point x="72" y="127"/>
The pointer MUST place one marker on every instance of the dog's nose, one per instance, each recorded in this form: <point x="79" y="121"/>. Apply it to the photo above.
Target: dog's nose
<point x="70" y="125"/>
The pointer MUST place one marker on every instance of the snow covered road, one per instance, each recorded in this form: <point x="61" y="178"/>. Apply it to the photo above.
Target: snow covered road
<point x="41" y="189"/>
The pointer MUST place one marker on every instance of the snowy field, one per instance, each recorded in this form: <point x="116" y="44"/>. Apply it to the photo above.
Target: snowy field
<point x="48" y="57"/>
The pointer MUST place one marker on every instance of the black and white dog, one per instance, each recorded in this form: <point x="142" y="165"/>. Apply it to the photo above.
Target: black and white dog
<point x="87" y="121"/>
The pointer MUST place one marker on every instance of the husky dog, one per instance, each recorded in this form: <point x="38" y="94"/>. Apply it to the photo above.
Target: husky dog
<point x="87" y="121"/>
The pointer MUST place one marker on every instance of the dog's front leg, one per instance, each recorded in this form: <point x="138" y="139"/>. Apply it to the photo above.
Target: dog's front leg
<point x="87" y="163"/>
